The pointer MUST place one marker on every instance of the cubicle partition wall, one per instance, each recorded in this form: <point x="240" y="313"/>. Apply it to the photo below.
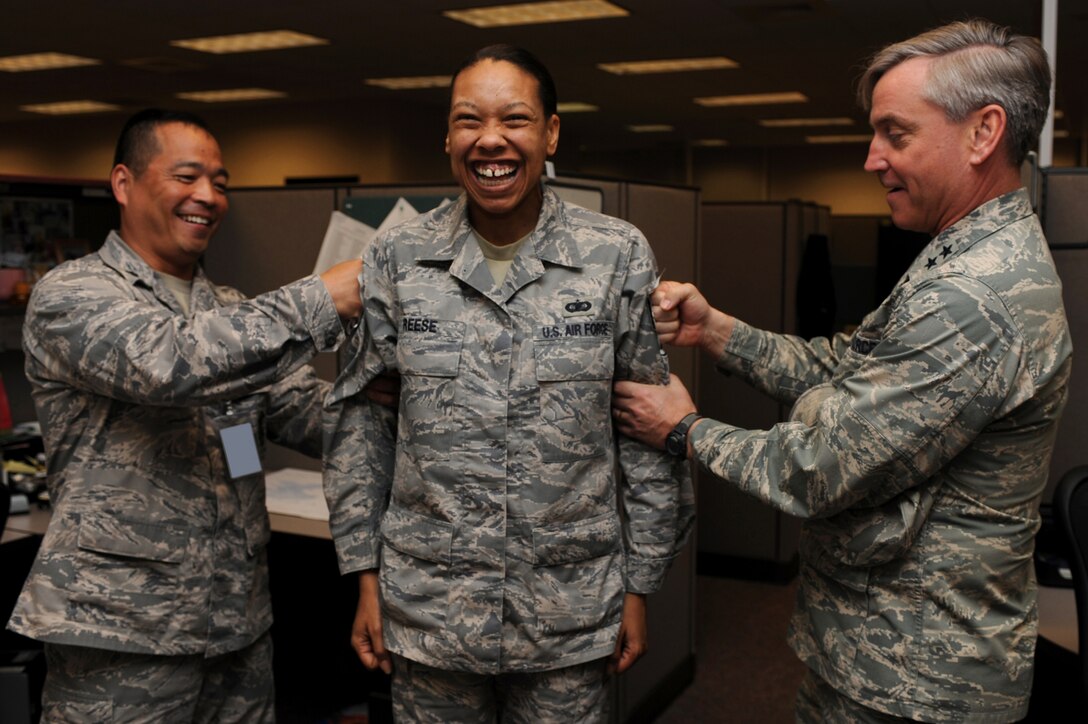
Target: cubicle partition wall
<point x="272" y="236"/>
<point x="1064" y="213"/>
<point x="749" y="263"/>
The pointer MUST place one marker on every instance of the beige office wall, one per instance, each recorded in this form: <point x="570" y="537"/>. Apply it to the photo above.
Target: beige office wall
<point x="379" y="143"/>
<point x="401" y="142"/>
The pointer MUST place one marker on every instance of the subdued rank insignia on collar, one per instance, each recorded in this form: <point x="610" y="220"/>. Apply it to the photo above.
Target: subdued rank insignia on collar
<point x="578" y="308"/>
<point x="862" y="345"/>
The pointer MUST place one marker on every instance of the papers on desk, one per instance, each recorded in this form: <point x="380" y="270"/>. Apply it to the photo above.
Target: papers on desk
<point x="296" y="492"/>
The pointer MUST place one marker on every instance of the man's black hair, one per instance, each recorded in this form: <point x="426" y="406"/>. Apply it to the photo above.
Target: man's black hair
<point x="137" y="144"/>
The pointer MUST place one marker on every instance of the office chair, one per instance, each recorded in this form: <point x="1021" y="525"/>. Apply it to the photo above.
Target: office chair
<point x="1071" y="511"/>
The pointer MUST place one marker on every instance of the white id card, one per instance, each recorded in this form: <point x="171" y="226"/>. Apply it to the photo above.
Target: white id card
<point x="240" y="447"/>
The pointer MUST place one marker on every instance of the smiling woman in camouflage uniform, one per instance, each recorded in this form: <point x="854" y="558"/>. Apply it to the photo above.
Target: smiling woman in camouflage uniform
<point x="509" y="579"/>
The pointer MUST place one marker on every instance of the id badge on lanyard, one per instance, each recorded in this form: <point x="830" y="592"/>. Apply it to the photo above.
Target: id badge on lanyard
<point x="240" y="448"/>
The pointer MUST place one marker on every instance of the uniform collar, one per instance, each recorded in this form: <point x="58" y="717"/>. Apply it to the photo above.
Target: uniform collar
<point x="118" y="255"/>
<point x="551" y="241"/>
<point x="987" y="218"/>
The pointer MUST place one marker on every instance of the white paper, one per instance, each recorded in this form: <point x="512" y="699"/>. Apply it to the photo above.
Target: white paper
<point x="296" y="492"/>
<point x="345" y="238"/>
<point x="402" y="211"/>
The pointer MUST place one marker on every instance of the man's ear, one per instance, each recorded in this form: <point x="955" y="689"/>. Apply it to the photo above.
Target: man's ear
<point x="988" y="128"/>
<point x="121" y="178"/>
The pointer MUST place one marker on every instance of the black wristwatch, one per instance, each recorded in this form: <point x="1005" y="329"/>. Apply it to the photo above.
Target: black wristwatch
<point x="676" y="443"/>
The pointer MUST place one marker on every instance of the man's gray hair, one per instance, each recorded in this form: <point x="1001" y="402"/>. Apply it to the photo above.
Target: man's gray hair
<point x="976" y="63"/>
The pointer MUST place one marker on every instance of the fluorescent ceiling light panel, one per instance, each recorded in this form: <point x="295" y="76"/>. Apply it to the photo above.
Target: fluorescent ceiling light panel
<point x="576" y="107"/>
<point x="65" y="108"/>
<point x="534" y="13"/>
<point x="803" y="122"/>
<point x="841" y="138"/>
<point x="753" y="99"/>
<point x="43" y="61"/>
<point x="650" y="128"/>
<point x="677" y="65"/>
<point x="710" y="142"/>
<point x="231" y="94"/>
<point x="250" y="42"/>
<point x="412" y="82"/>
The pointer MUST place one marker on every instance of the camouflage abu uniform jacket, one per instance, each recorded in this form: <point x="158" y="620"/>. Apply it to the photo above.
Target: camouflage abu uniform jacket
<point x="918" y="456"/>
<point x="493" y="513"/>
<point x="152" y="547"/>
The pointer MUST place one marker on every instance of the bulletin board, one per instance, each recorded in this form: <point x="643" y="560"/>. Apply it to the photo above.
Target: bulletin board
<point x="30" y="229"/>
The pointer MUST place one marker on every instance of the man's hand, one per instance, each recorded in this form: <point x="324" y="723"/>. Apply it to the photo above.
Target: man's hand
<point x="342" y="281"/>
<point x="685" y="318"/>
<point x="648" y="413"/>
<point x="631" y="643"/>
<point x="366" y="632"/>
<point x="384" y="390"/>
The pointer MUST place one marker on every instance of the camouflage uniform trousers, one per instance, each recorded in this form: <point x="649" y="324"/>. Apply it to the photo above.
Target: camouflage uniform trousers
<point x="92" y="686"/>
<point x="819" y="703"/>
<point x="572" y="695"/>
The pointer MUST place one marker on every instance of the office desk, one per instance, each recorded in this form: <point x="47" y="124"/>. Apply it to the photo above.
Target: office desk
<point x="1058" y="616"/>
<point x="315" y="670"/>
<point x="22" y="525"/>
<point x="36" y="521"/>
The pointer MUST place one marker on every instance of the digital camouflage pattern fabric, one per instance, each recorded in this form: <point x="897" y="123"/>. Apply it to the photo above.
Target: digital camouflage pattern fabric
<point x="152" y="547"/>
<point x="490" y="500"/>
<point x="424" y="694"/>
<point x="93" y="686"/>
<point x="918" y="453"/>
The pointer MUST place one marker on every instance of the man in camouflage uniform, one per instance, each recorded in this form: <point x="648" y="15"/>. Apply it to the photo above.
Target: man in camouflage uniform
<point x="508" y="577"/>
<point x="918" y="447"/>
<point x="150" y="590"/>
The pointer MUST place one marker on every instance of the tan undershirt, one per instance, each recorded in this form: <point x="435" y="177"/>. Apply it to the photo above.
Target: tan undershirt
<point x="182" y="289"/>
<point x="499" y="258"/>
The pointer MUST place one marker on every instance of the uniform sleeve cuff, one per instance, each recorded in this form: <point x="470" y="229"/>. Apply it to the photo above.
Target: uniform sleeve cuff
<point x="646" y="575"/>
<point x="318" y="312"/>
<point x="357" y="552"/>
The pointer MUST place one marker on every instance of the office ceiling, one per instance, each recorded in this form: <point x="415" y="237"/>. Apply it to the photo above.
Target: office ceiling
<point x="812" y="46"/>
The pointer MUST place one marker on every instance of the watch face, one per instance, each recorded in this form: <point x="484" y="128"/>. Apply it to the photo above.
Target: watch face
<point x="675" y="444"/>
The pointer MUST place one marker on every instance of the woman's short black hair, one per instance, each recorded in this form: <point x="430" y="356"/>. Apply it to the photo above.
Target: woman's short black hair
<point x="523" y="59"/>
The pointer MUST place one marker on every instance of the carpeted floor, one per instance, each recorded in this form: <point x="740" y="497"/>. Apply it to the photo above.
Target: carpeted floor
<point x="744" y="671"/>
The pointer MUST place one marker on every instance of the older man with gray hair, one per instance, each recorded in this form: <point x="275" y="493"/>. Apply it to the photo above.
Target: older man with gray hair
<point x="918" y="447"/>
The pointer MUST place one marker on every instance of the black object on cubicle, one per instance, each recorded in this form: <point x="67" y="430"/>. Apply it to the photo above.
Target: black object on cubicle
<point x="816" y="304"/>
<point x="1071" y="508"/>
<point x="896" y="249"/>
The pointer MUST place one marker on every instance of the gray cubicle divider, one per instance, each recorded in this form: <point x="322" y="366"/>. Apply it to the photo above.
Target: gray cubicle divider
<point x="372" y="210"/>
<point x="749" y="261"/>
<point x="1064" y="214"/>
<point x="272" y="236"/>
